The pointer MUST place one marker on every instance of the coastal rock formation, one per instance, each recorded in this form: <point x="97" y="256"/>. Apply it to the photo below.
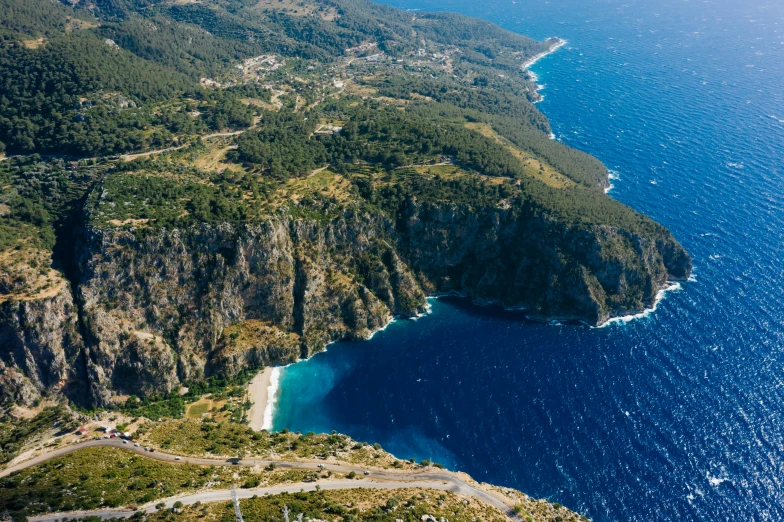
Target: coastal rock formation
<point x="40" y="345"/>
<point x="233" y="298"/>
<point x="177" y="305"/>
<point x="253" y="344"/>
<point x="167" y="306"/>
<point x="553" y="270"/>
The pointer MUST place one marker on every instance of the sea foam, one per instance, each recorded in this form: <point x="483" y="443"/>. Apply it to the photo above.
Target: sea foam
<point x="660" y="295"/>
<point x="272" y="398"/>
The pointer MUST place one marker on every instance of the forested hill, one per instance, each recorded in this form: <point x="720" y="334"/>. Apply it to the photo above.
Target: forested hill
<point x="70" y="75"/>
<point x="202" y="187"/>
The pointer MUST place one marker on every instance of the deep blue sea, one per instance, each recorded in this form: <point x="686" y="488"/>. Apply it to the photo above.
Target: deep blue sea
<point x="677" y="416"/>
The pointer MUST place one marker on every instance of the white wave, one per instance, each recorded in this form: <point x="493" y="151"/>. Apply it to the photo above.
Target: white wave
<point x="272" y="398"/>
<point x="715" y="481"/>
<point x="660" y="295"/>
<point x="428" y="310"/>
<point x="390" y="321"/>
<point x="611" y="176"/>
<point x="527" y="65"/>
<point x="550" y="51"/>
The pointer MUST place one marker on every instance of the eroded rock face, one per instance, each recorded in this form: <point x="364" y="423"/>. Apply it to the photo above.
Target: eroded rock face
<point x="160" y="308"/>
<point x="526" y="261"/>
<point x="253" y="344"/>
<point x="39" y="345"/>
<point x="190" y="290"/>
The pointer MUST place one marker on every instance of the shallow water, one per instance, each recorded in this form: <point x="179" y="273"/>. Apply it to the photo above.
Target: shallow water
<point x="677" y="416"/>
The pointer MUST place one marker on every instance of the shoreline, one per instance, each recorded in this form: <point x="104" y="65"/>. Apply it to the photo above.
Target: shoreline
<point x="263" y="390"/>
<point x="672" y="286"/>
<point x="560" y="42"/>
<point x="266" y="386"/>
<point x="611" y="176"/>
<point x="273" y="386"/>
<point x="532" y="61"/>
<point x="258" y="392"/>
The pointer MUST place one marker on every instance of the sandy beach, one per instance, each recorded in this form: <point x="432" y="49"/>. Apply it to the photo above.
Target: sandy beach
<point x="258" y="390"/>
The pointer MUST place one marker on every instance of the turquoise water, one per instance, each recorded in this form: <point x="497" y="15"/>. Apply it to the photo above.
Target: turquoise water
<point x="677" y="416"/>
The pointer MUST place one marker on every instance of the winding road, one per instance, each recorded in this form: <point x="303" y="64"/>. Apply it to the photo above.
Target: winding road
<point x="375" y="479"/>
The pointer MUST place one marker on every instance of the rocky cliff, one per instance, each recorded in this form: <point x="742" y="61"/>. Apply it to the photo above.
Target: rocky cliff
<point x="41" y="345"/>
<point x="219" y="298"/>
<point x="551" y="269"/>
<point x="162" y="307"/>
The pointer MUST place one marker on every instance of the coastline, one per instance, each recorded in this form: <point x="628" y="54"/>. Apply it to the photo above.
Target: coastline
<point x="660" y="296"/>
<point x="557" y="45"/>
<point x="258" y="392"/>
<point x="428" y="309"/>
<point x="611" y="176"/>
<point x="263" y="391"/>
<point x="273" y="386"/>
<point x="559" y="42"/>
<point x="265" y="387"/>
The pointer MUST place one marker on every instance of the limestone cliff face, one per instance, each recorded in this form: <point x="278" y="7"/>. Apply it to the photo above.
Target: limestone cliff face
<point x="525" y="261"/>
<point x="178" y="298"/>
<point x="163" y="307"/>
<point x="39" y="345"/>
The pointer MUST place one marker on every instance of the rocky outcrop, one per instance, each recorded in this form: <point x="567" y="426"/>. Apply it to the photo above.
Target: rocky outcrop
<point x="553" y="270"/>
<point x="163" y="307"/>
<point x="190" y="290"/>
<point x="253" y="344"/>
<point x="39" y="345"/>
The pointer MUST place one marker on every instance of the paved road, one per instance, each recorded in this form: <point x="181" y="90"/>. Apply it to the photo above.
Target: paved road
<point x="224" y="495"/>
<point x="375" y="479"/>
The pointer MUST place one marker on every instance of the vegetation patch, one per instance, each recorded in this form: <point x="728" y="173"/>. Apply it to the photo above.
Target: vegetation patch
<point x="220" y="389"/>
<point x="93" y="478"/>
<point x="16" y="431"/>
<point x="230" y="440"/>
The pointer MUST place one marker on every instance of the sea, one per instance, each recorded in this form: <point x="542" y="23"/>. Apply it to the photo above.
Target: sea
<point x="676" y="415"/>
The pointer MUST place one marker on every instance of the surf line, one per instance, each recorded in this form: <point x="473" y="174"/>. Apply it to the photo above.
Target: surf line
<point x="660" y="295"/>
<point x="559" y="42"/>
<point x="272" y="398"/>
